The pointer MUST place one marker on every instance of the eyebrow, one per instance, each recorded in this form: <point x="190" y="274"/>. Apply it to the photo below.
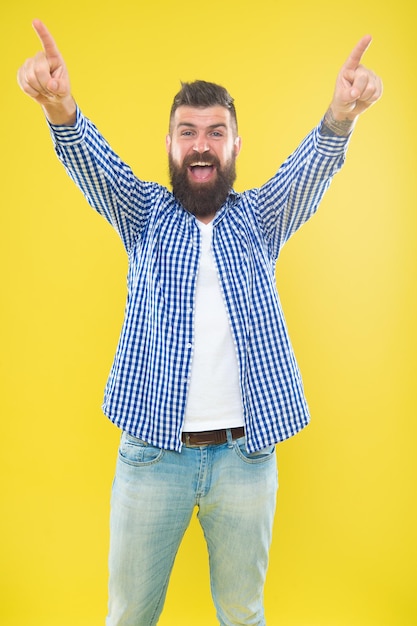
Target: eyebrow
<point x="211" y="127"/>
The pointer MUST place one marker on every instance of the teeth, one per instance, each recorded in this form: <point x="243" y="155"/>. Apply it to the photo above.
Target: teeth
<point x="200" y="164"/>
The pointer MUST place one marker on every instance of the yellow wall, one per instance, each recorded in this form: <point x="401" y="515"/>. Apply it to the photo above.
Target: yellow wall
<point x="344" y="551"/>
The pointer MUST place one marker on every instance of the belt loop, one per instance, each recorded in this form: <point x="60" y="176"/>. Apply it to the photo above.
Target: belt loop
<point x="229" y="438"/>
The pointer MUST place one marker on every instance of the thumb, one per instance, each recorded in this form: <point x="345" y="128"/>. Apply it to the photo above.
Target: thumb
<point x="350" y="92"/>
<point x="53" y="86"/>
<point x="58" y="83"/>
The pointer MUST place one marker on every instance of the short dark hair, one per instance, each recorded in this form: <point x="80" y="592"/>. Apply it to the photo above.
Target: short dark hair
<point x="201" y="94"/>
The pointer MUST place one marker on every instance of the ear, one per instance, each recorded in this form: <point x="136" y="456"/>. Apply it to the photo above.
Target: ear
<point x="168" y="143"/>
<point x="237" y="145"/>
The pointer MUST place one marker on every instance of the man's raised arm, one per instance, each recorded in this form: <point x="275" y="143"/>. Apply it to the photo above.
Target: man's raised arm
<point x="44" y="78"/>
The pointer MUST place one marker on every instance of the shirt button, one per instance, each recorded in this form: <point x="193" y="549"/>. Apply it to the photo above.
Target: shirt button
<point x="189" y="345"/>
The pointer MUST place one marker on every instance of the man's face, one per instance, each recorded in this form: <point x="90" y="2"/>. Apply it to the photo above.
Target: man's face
<point x="202" y="148"/>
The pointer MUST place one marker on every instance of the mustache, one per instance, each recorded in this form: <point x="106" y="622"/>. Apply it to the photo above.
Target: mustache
<point x="197" y="158"/>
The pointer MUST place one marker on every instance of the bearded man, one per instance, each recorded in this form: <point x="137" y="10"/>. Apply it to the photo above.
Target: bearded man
<point x="203" y="118"/>
<point x="204" y="383"/>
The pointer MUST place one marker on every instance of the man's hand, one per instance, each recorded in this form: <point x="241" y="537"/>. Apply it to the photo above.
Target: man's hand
<point x="44" y="78"/>
<point x="357" y="88"/>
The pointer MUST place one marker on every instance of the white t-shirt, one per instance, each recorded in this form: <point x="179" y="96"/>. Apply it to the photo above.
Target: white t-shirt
<point x="214" y="399"/>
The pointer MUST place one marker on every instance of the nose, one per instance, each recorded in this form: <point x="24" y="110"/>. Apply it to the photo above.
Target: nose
<point x="201" y="145"/>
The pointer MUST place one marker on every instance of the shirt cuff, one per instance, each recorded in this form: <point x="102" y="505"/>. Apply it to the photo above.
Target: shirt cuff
<point x="68" y="135"/>
<point x="331" y="145"/>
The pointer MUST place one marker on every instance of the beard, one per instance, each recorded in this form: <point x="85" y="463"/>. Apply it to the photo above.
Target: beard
<point x="202" y="199"/>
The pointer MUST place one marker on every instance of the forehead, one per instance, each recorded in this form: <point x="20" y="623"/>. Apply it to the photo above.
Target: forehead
<point x="201" y="117"/>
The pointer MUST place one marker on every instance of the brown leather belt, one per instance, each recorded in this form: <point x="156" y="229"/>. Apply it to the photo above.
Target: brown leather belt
<point x="211" y="437"/>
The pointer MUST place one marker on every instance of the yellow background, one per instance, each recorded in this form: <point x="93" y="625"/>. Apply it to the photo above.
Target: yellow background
<point x="344" y="550"/>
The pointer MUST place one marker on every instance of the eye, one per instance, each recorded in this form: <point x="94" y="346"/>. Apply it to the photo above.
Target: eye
<point x="186" y="133"/>
<point x="216" y="133"/>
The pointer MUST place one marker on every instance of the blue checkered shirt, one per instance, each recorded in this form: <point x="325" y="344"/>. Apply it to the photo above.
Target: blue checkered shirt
<point x="146" y="392"/>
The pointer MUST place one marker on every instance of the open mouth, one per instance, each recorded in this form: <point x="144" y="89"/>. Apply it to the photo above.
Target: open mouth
<point x="201" y="171"/>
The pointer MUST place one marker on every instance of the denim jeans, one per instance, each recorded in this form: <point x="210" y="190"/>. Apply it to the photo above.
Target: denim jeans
<point x="154" y="494"/>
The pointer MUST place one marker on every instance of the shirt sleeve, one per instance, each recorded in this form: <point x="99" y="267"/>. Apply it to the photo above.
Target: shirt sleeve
<point x="108" y="184"/>
<point x="293" y="195"/>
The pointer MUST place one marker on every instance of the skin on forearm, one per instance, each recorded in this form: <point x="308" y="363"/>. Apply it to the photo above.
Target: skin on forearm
<point x="61" y="113"/>
<point x="332" y="126"/>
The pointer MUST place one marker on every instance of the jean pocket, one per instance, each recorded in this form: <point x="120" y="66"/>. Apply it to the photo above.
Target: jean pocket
<point x="134" y="451"/>
<point x="260" y="456"/>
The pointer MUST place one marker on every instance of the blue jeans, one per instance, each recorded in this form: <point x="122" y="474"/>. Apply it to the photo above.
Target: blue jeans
<point x="154" y="495"/>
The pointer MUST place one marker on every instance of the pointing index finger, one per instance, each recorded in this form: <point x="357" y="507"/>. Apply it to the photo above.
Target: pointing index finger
<point x="48" y="43"/>
<point x="357" y="53"/>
